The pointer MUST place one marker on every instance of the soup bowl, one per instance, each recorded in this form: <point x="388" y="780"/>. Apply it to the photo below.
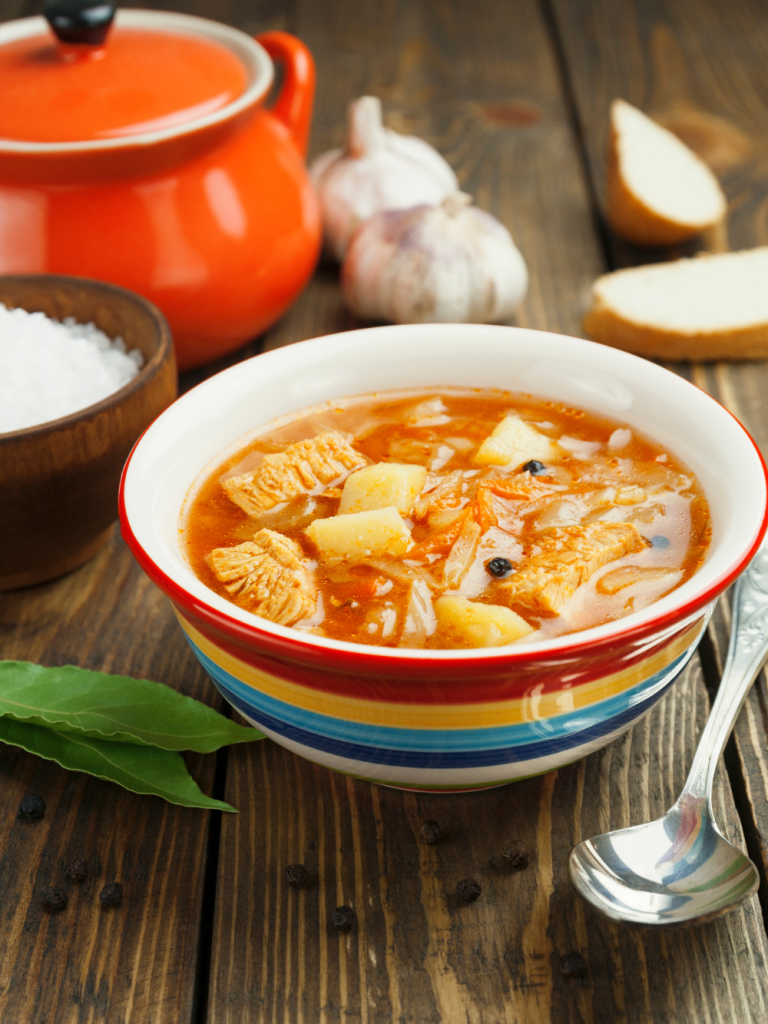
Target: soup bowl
<point x="441" y="719"/>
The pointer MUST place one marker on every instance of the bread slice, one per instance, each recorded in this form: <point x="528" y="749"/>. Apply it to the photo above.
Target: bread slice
<point x="659" y="191"/>
<point x="708" y="307"/>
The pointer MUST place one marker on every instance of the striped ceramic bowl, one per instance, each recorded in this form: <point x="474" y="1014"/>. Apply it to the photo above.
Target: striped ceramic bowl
<point x="442" y="720"/>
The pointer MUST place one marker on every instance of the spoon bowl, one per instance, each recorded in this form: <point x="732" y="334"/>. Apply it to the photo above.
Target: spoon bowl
<point x="680" y="869"/>
<point x="676" y="870"/>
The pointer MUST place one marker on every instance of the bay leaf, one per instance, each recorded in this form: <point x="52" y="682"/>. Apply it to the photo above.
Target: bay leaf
<point x="98" y="704"/>
<point x="115" y="737"/>
<point x="141" y="769"/>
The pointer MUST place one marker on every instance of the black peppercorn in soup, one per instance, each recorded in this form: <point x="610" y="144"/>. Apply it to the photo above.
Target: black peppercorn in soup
<point x="446" y="519"/>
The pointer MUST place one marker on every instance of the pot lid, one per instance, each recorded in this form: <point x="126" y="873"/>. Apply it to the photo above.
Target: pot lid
<point x="81" y="79"/>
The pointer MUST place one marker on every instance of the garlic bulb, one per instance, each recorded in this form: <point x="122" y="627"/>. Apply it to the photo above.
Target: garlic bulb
<point x="451" y="263"/>
<point x="378" y="170"/>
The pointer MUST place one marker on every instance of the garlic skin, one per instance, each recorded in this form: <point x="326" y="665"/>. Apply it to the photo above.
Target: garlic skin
<point x="378" y="170"/>
<point x="451" y="263"/>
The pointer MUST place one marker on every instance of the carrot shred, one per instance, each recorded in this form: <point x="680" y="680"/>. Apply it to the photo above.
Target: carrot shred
<point x="513" y="489"/>
<point x="528" y="490"/>
<point x="482" y="508"/>
<point x="440" y="543"/>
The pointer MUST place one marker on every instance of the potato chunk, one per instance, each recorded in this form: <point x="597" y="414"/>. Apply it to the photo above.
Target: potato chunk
<point x="382" y="485"/>
<point x="360" y="535"/>
<point x="269" y="576"/>
<point x="568" y="556"/>
<point x="513" y="443"/>
<point x="301" y="468"/>
<point x="463" y="623"/>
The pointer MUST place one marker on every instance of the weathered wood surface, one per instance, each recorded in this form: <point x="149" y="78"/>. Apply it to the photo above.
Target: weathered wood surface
<point x="678" y="62"/>
<point x="487" y="94"/>
<point x="12" y="9"/>
<point x="699" y="68"/>
<point x="501" y="92"/>
<point x="417" y="954"/>
<point x="137" y="962"/>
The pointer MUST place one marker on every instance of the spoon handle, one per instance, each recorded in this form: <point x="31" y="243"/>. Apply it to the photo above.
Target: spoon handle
<point x="747" y="651"/>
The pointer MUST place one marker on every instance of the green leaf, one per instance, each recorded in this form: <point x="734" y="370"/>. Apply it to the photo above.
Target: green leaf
<point x="116" y="737"/>
<point x="100" y="705"/>
<point x="142" y="769"/>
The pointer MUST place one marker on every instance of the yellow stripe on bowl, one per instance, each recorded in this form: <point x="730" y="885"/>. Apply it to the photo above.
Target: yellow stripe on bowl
<point x="533" y="707"/>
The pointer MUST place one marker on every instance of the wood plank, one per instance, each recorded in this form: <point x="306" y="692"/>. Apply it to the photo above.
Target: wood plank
<point x="687" y="975"/>
<point x="486" y="94"/>
<point x="136" y="962"/>
<point x="700" y="69"/>
<point x="354" y="835"/>
<point x="16" y="9"/>
<point x="416" y="954"/>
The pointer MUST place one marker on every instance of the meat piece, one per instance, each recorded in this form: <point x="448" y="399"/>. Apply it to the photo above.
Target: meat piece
<point x="302" y="467"/>
<point x="568" y="556"/>
<point x="269" y="576"/>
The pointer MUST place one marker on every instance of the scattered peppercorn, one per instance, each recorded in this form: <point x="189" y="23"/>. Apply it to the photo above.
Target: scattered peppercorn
<point x="429" y="832"/>
<point x="296" y="875"/>
<point x="111" y="894"/>
<point x="468" y="890"/>
<point x="78" y="869"/>
<point x="343" y="918"/>
<point x="55" y="898"/>
<point x="498" y="567"/>
<point x="572" y="965"/>
<point x="534" y="467"/>
<point x="32" y="806"/>
<point x="660" y="541"/>
<point x="516" y="854"/>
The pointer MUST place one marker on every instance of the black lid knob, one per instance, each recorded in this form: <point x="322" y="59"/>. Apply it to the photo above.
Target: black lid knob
<point x="80" y="21"/>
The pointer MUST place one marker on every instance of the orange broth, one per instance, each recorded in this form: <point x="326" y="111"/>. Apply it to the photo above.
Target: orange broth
<point x="368" y="601"/>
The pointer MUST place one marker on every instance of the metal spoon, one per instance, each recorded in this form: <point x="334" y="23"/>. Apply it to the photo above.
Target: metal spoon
<point x="680" y="869"/>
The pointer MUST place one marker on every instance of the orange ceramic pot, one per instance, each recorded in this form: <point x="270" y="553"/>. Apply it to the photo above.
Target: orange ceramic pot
<point x="149" y="160"/>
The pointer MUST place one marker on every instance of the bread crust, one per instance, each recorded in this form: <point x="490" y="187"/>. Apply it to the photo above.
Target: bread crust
<point x="632" y="219"/>
<point x="607" y="327"/>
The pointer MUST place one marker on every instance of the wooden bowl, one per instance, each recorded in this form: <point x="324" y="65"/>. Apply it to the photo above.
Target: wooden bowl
<point x="59" y="481"/>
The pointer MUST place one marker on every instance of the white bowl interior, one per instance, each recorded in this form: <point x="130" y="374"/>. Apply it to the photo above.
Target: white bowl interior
<point x="208" y="423"/>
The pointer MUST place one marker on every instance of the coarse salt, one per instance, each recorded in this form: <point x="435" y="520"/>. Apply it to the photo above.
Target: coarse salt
<point x="50" y="369"/>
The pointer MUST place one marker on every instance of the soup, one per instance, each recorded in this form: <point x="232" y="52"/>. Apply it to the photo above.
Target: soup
<point x="446" y="519"/>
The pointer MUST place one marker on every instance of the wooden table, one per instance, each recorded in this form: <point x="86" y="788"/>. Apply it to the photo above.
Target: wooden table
<point x="516" y="96"/>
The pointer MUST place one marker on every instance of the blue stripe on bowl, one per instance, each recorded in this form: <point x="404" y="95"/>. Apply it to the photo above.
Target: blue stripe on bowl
<point x="445" y="759"/>
<point x="404" y="738"/>
<point x="474" y="758"/>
